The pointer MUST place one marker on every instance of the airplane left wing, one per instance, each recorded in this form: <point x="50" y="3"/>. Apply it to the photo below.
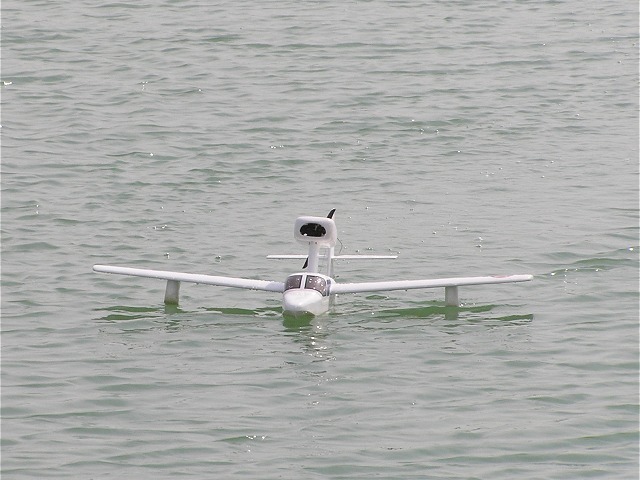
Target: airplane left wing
<point x="248" y="283"/>
<point x="434" y="283"/>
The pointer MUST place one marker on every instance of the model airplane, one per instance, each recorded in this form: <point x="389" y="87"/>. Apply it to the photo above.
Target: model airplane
<point x="309" y="291"/>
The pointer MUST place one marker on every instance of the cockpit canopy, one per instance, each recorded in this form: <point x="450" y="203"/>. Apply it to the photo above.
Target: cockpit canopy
<point x="310" y="282"/>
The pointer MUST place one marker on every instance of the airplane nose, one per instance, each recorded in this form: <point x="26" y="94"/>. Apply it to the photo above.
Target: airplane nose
<point x="301" y="301"/>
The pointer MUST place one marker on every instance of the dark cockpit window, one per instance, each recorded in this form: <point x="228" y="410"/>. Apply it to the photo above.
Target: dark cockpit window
<point x="293" y="281"/>
<point x="312" y="230"/>
<point x="316" y="283"/>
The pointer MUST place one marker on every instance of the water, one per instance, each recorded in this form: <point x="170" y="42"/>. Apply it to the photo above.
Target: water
<point x="468" y="137"/>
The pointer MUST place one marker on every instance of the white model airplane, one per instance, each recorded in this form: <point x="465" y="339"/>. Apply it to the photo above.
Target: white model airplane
<point x="309" y="291"/>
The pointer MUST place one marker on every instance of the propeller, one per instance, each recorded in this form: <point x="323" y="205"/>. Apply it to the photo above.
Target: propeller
<point x="330" y="215"/>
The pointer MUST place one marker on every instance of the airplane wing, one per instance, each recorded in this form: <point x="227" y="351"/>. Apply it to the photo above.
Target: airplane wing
<point x="412" y="284"/>
<point x="248" y="283"/>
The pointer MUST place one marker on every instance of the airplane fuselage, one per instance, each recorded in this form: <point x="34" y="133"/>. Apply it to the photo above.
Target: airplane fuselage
<point x="306" y="293"/>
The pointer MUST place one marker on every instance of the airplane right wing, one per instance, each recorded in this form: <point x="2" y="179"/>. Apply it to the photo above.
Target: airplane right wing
<point x="247" y="283"/>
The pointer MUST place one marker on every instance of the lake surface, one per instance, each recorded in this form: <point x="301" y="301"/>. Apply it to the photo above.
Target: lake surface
<point x="469" y="138"/>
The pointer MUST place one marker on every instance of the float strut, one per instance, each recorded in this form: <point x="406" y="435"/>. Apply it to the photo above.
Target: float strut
<point x="451" y="296"/>
<point x="172" y="292"/>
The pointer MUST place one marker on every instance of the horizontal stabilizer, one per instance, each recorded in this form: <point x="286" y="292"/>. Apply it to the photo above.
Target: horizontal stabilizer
<point x="247" y="283"/>
<point x="336" y="257"/>
<point x="412" y="284"/>
<point x="365" y="257"/>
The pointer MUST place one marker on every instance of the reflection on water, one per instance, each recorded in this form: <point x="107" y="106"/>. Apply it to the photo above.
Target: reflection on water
<point x="431" y="310"/>
<point x="463" y="315"/>
<point x="295" y="323"/>
<point x="172" y="317"/>
<point x="123" y="312"/>
<point x="256" y="312"/>
<point x="311" y="333"/>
